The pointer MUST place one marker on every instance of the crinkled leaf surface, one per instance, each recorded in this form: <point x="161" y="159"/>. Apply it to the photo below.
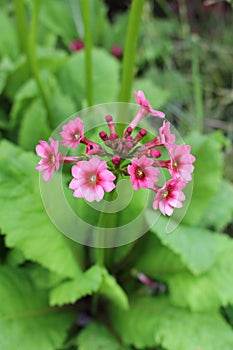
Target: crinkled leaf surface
<point x="152" y="321"/>
<point x="23" y="218"/>
<point x="207" y="291"/>
<point x="197" y="247"/>
<point x="73" y="290"/>
<point x="95" y="279"/>
<point x="26" y="320"/>
<point x="220" y="211"/>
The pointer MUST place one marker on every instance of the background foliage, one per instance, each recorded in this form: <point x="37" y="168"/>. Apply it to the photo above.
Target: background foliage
<point x="53" y="295"/>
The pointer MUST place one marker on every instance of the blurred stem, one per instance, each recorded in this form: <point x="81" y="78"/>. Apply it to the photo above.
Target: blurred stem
<point x="197" y="86"/>
<point x="32" y="58"/>
<point x="21" y="24"/>
<point x="88" y="45"/>
<point x="130" y="50"/>
<point x="183" y="11"/>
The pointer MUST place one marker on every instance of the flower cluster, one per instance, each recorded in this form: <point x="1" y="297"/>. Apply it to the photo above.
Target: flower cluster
<point x="116" y="156"/>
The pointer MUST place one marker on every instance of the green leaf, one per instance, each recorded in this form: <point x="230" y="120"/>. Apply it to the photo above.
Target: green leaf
<point x="113" y="291"/>
<point x="26" y="320"/>
<point x="97" y="337"/>
<point x="220" y="211"/>
<point x="22" y="99"/>
<point x="207" y="291"/>
<point x="73" y="290"/>
<point x="34" y="126"/>
<point x="154" y="321"/>
<point x="8" y="43"/>
<point x="23" y="218"/>
<point x="207" y="174"/>
<point x="105" y="77"/>
<point x="55" y="13"/>
<point x="93" y="280"/>
<point x="198" y="248"/>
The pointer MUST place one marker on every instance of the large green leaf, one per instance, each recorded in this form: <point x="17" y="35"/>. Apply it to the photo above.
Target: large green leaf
<point x="208" y="291"/>
<point x="198" y="248"/>
<point x="93" y="280"/>
<point x="154" y="321"/>
<point x="220" y="211"/>
<point x="207" y="174"/>
<point x="23" y="218"/>
<point x="105" y="77"/>
<point x="97" y="337"/>
<point x="26" y="320"/>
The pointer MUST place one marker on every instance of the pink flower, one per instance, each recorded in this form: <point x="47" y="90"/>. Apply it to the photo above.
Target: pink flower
<point x="144" y="103"/>
<point x="144" y="109"/>
<point x="169" y="196"/>
<point x="181" y="162"/>
<point x="72" y="132"/>
<point x="142" y="173"/>
<point x="91" y="179"/>
<point x="166" y="137"/>
<point x="51" y="158"/>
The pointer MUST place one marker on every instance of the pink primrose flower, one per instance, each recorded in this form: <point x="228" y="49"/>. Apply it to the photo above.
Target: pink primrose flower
<point x="169" y="196"/>
<point x="50" y="158"/>
<point x="166" y="137"/>
<point x="72" y="133"/>
<point x="181" y="162"/>
<point x="91" y="179"/>
<point x="142" y="173"/>
<point x="144" y="109"/>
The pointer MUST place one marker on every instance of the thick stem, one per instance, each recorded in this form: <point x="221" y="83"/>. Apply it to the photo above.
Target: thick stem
<point x="21" y="24"/>
<point x="88" y="45"/>
<point x="130" y="50"/>
<point x="32" y="59"/>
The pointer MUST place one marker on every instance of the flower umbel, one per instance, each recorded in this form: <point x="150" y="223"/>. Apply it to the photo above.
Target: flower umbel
<point x="97" y="169"/>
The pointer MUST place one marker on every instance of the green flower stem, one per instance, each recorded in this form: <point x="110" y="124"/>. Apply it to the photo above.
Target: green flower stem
<point x="104" y="220"/>
<point x="32" y="58"/>
<point x="197" y="87"/>
<point x="130" y="50"/>
<point x="88" y="45"/>
<point x="21" y="24"/>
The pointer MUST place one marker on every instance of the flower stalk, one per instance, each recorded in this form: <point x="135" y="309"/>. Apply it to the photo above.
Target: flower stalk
<point x="130" y="50"/>
<point x="88" y="46"/>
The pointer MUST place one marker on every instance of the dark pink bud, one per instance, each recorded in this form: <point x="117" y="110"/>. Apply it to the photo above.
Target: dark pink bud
<point x="113" y="136"/>
<point x="117" y="51"/>
<point x="143" y="132"/>
<point x="155" y="153"/>
<point x="103" y="135"/>
<point x="108" y="118"/>
<point x="116" y="160"/>
<point x="128" y="132"/>
<point x="140" y="135"/>
<point x="76" y="45"/>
